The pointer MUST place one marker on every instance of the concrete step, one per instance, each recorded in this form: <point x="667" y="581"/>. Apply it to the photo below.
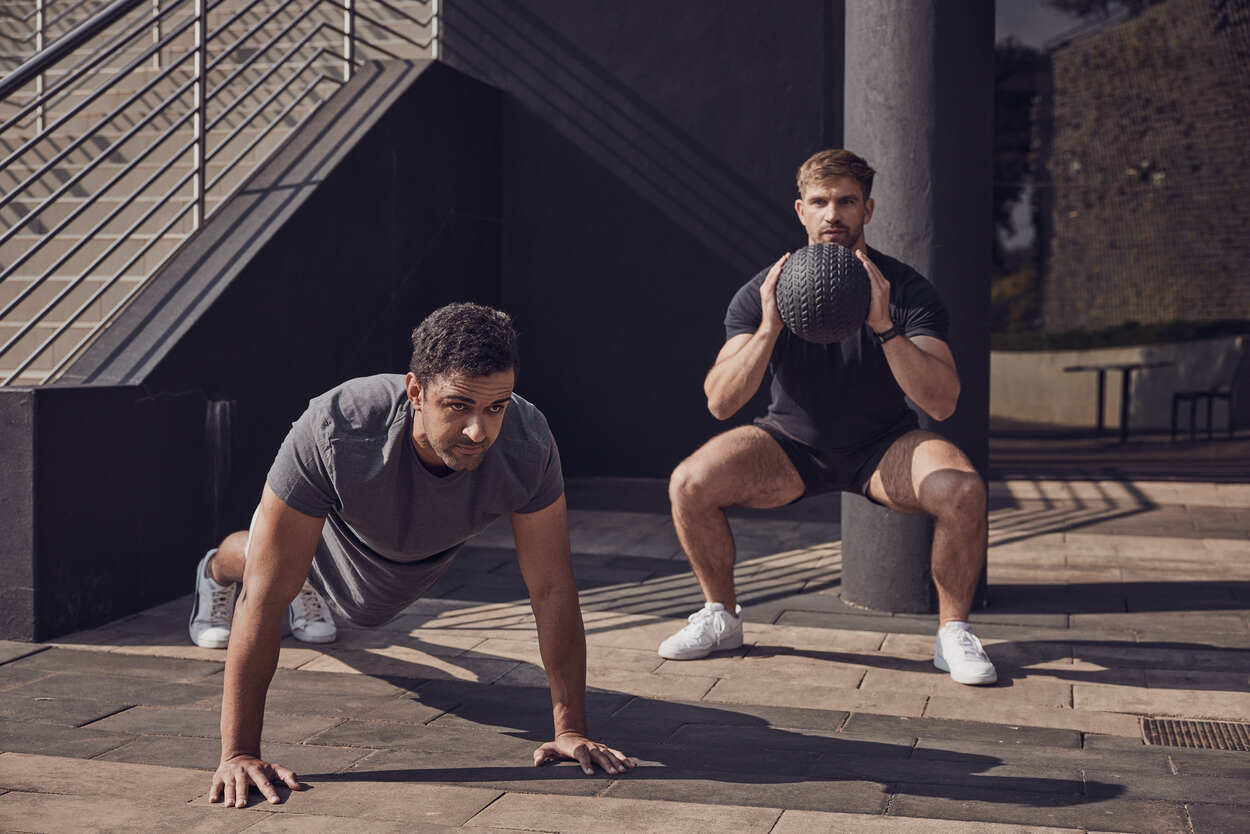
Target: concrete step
<point x="19" y="212"/>
<point x="85" y="257"/>
<point x="72" y="293"/>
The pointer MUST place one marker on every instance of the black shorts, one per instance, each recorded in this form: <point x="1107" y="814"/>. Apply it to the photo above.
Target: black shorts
<point x="845" y="470"/>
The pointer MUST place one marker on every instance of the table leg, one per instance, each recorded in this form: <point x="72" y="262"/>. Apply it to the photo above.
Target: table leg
<point x="1102" y="378"/>
<point x="1125" y="374"/>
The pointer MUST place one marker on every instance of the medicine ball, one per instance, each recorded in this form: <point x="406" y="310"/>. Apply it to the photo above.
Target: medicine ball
<point x="823" y="293"/>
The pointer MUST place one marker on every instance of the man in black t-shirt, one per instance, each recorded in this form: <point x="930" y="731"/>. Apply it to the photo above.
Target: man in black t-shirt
<point x="837" y="421"/>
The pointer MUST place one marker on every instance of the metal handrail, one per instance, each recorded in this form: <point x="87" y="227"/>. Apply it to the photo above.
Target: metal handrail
<point x="143" y="96"/>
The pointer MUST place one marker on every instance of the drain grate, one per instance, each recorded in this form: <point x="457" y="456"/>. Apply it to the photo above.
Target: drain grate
<point x="1209" y="735"/>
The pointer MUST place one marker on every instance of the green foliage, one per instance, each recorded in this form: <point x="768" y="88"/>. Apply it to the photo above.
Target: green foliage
<point x="1124" y="335"/>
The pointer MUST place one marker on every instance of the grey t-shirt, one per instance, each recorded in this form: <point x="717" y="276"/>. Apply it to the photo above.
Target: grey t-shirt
<point x="392" y="526"/>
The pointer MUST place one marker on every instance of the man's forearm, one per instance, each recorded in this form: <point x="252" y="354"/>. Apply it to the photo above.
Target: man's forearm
<point x="250" y="663"/>
<point x="927" y="381"/>
<point x="562" y="645"/>
<point x="735" y="379"/>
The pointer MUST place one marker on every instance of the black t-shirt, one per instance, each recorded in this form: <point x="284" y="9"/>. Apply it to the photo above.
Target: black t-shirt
<point x="842" y="395"/>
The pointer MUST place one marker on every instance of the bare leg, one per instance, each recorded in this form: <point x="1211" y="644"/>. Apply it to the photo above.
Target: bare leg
<point x="742" y="467"/>
<point x="226" y="566"/>
<point x="924" y="472"/>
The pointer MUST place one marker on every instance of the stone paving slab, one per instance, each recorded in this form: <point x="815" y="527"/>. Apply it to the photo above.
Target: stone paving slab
<point x="205" y="753"/>
<point x="202" y="723"/>
<point x="806" y="822"/>
<point x="54" y="774"/>
<point x="50" y="739"/>
<point x="12" y="650"/>
<point x="576" y="814"/>
<point x="37" y="812"/>
<point x="998" y="804"/>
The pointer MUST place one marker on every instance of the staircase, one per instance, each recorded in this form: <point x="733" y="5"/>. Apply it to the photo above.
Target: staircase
<point x="114" y="154"/>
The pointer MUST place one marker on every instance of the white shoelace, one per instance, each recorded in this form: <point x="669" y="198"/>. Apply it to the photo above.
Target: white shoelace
<point x="703" y="622"/>
<point x="219" y="611"/>
<point x="309" y="606"/>
<point x="970" y="645"/>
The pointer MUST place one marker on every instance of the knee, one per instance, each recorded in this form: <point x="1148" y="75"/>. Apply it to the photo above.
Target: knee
<point x="688" y="486"/>
<point x="964" y="497"/>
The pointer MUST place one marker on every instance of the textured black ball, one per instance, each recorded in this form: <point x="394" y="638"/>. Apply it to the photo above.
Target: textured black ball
<point x="823" y="293"/>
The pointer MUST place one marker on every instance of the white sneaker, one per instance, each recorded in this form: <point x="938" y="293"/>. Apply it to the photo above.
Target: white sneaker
<point x="308" y="617"/>
<point x="212" y="610"/>
<point x="711" y="628"/>
<point x="958" y="651"/>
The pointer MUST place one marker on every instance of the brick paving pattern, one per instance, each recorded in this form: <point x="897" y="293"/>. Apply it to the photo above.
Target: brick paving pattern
<point x="1110" y="601"/>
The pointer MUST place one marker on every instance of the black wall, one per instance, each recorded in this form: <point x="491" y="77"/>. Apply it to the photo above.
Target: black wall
<point x="103" y="496"/>
<point x="647" y="172"/>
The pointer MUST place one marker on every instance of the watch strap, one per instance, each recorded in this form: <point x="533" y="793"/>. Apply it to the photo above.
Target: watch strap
<point x="886" y="335"/>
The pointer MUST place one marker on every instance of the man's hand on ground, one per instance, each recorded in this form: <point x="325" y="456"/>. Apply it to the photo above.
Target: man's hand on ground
<point x="584" y="751"/>
<point x="235" y="775"/>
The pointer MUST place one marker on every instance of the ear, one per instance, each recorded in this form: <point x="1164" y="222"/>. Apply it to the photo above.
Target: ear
<point x="798" y="210"/>
<point x="413" y="385"/>
<point x="869" y="205"/>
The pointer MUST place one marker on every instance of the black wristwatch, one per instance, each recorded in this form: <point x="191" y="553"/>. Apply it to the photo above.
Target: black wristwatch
<point x="885" y="335"/>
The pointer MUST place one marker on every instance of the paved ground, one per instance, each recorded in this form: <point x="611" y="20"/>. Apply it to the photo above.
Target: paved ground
<point x="1110" y="601"/>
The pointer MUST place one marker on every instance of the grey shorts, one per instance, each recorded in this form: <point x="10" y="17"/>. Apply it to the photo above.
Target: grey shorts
<point x="844" y="470"/>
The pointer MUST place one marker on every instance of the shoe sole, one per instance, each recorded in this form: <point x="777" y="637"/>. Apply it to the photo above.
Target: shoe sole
<point x="945" y="667"/>
<point x="328" y="639"/>
<point x="211" y="644"/>
<point x="700" y="654"/>
<point x="195" y="609"/>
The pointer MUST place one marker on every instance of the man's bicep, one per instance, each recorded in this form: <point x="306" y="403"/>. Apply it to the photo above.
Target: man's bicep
<point x="542" y="547"/>
<point x="280" y="548"/>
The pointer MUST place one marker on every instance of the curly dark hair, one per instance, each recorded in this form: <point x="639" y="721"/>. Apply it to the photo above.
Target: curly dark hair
<point x="465" y="338"/>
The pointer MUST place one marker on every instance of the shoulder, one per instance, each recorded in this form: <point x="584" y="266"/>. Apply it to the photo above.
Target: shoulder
<point x="525" y="432"/>
<point x="363" y="406"/>
<point x="749" y="293"/>
<point x="904" y="279"/>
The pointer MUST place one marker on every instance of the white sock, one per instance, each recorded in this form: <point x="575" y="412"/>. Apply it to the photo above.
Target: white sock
<point x="957" y="625"/>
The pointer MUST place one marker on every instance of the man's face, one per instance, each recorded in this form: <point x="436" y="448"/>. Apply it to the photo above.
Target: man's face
<point x="456" y="417"/>
<point x="834" y="211"/>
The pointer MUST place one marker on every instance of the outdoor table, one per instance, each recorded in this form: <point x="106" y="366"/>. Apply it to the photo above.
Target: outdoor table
<point x="1126" y="372"/>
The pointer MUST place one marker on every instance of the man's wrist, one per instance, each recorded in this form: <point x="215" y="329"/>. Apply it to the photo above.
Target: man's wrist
<point x="885" y="335"/>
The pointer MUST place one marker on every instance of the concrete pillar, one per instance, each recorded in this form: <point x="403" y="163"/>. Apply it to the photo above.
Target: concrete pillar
<point x="919" y="107"/>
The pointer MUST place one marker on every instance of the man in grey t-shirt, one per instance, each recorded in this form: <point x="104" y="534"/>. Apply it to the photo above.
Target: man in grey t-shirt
<point x="374" y="490"/>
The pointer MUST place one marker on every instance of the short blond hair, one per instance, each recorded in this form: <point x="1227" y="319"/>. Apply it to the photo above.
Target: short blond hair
<point x="827" y="165"/>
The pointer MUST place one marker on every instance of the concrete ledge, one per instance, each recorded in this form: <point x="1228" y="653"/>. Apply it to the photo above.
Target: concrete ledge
<point x="1032" y="387"/>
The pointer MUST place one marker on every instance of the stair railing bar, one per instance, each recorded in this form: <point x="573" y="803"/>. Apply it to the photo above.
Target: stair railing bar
<point x="60" y="86"/>
<point x="201" y="110"/>
<point x="85" y="63"/>
<point x="93" y="164"/>
<point x="156" y="32"/>
<point x="238" y="128"/>
<point x="99" y="259"/>
<point x="73" y="250"/>
<point x="273" y="124"/>
<point x="68" y="43"/>
<point x="39" y="114"/>
<point x="259" y="50"/>
<point x="206" y="96"/>
<point x="349" y="39"/>
<point x="436" y="28"/>
<point x="103" y="288"/>
<point x="73" y="146"/>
